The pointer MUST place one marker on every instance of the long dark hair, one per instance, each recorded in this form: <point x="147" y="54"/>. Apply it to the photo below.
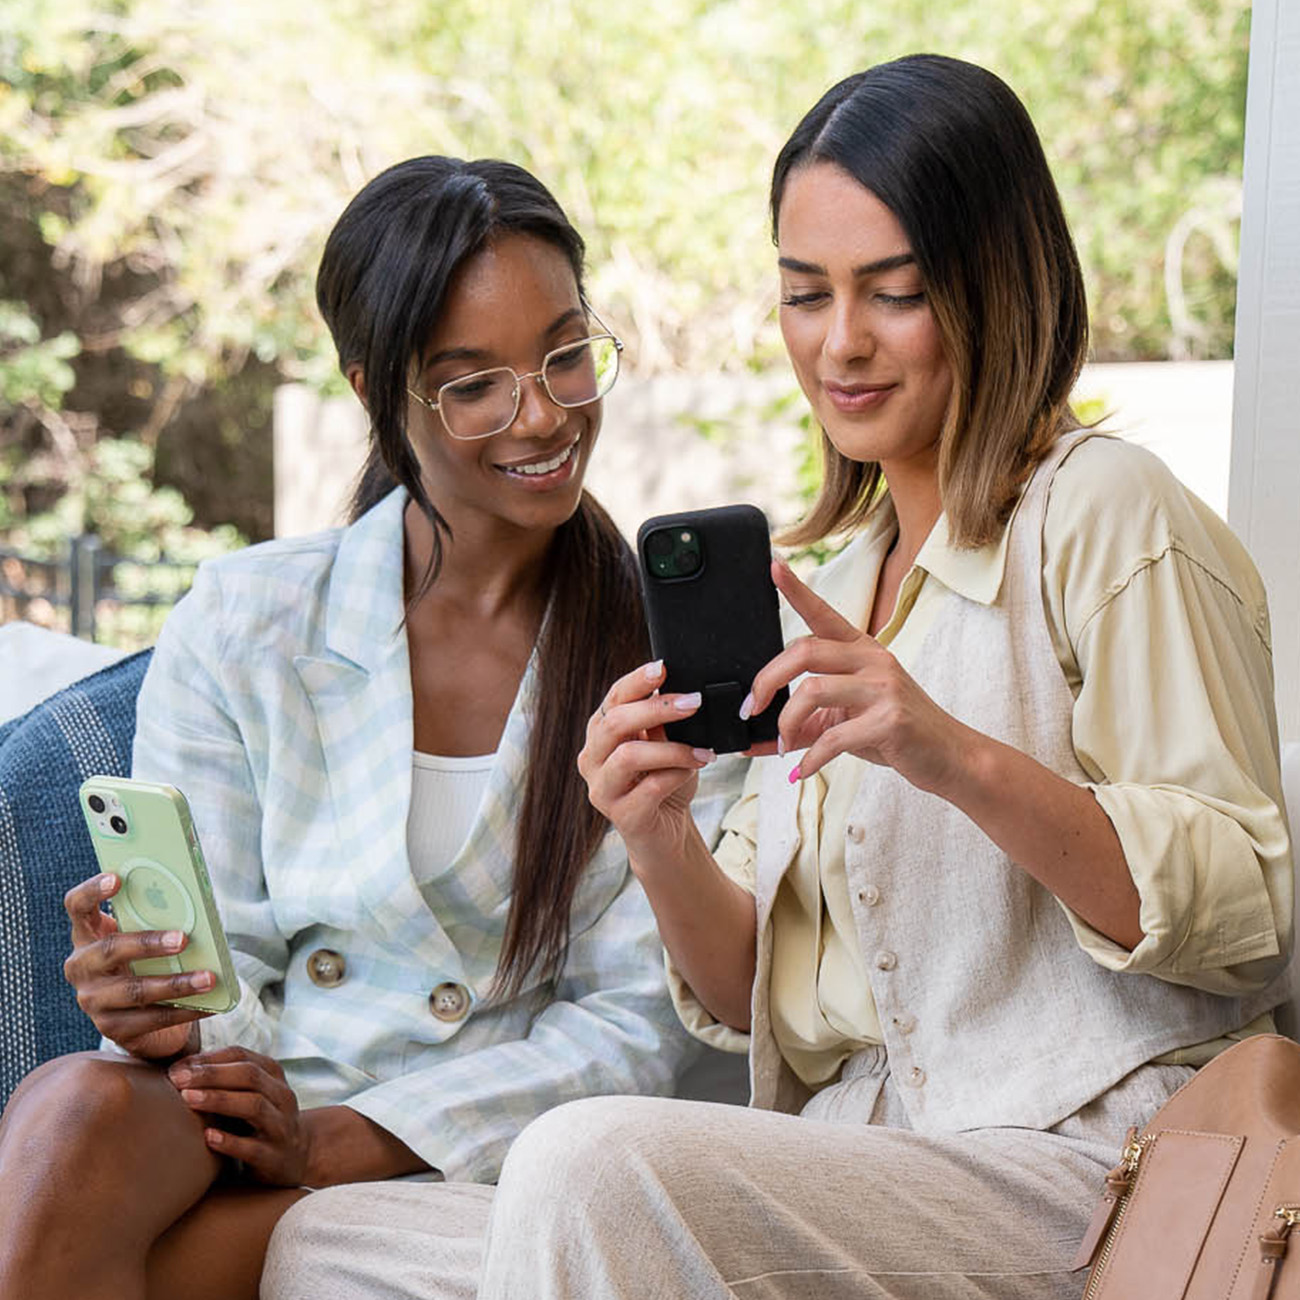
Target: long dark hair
<point x="384" y="277"/>
<point x="951" y="151"/>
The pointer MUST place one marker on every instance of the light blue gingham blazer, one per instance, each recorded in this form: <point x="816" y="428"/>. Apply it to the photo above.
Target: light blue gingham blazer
<point x="279" y="701"/>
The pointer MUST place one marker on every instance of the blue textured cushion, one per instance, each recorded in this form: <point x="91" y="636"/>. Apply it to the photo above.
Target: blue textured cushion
<point x="84" y="730"/>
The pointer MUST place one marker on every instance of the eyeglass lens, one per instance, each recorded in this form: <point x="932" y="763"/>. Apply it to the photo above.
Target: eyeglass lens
<point x="487" y="402"/>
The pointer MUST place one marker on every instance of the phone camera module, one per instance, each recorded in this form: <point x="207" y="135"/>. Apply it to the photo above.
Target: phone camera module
<point x="673" y="553"/>
<point x="96" y="803"/>
<point x="118" y="823"/>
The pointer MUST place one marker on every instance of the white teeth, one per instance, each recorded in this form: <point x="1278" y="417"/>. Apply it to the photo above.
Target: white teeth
<point x="542" y="466"/>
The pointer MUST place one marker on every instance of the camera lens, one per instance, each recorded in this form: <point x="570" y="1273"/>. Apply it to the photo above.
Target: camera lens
<point x="118" y="824"/>
<point x="659" y="543"/>
<point x="96" y="803"/>
<point x="687" y="561"/>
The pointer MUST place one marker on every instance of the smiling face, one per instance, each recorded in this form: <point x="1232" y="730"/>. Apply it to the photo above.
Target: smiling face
<point x="509" y="305"/>
<point x="856" y="322"/>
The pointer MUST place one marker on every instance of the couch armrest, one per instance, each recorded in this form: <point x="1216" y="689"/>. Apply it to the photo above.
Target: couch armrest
<point x="84" y="730"/>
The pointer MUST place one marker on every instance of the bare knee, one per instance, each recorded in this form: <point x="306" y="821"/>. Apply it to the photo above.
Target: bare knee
<point x="88" y="1107"/>
<point x="88" y="1090"/>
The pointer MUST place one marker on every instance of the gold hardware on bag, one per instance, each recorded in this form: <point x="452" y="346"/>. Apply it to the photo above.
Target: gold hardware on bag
<point x="1205" y="1202"/>
<point x="1273" y="1248"/>
<point x="1110" y="1213"/>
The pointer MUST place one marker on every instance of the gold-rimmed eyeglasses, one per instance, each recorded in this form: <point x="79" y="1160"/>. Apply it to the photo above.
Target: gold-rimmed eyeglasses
<point x="487" y="402"/>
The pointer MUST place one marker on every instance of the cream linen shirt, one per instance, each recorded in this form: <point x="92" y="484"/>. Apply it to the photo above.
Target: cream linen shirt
<point x="1159" y="622"/>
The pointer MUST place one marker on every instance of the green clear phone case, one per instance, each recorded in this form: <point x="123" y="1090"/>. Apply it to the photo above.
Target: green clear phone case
<point x="143" y="833"/>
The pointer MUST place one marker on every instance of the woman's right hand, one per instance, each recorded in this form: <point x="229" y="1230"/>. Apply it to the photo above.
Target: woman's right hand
<point x="640" y="780"/>
<point x="123" y="1005"/>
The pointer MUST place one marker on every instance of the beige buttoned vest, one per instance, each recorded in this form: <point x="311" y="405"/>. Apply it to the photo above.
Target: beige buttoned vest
<point x="991" y="1012"/>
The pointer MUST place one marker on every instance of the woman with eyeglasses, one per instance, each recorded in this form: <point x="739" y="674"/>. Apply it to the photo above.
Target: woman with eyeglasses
<point x="437" y="937"/>
<point x="1019" y="863"/>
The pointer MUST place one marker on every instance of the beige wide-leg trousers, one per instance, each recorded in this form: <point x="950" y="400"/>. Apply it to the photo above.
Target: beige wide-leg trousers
<point x="636" y="1198"/>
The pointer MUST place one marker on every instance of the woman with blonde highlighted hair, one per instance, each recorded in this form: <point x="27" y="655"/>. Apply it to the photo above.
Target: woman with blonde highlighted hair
<point x="1018" y="862"/>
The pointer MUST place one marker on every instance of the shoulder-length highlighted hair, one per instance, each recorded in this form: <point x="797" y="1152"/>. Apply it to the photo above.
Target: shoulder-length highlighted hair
<point x="950" y="150"/>
<point x="384" y="278"/>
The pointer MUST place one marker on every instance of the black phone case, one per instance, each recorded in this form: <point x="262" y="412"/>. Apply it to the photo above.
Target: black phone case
<point x="715" y="629"/>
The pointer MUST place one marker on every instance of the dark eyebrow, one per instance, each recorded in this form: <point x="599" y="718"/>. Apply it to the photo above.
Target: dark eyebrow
<point x="478" y="354"/>
<point x="867" y="268"/>
<point x="563" y="319"/>
<point x="455" y="354"/>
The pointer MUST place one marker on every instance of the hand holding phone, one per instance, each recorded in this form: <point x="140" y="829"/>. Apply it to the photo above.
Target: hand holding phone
<point x="161" y="960"/>
<point x="714" y="619"/>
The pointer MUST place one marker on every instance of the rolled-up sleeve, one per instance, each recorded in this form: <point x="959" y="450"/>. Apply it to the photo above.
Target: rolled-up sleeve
<point x="1174" y="718"/>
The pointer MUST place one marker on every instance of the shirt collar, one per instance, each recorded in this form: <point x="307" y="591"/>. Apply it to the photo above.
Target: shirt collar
<point x="846" y="581"/>
<point x="974" y="574"/>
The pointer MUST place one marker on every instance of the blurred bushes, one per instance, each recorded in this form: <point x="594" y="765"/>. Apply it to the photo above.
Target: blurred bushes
<point x="169" y="168"/>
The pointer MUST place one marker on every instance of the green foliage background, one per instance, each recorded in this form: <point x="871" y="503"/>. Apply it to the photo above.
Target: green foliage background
<point x="169" y="169"/>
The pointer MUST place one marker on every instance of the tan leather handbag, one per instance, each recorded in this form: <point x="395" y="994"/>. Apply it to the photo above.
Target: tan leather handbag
<point x="1204" y="1199"/>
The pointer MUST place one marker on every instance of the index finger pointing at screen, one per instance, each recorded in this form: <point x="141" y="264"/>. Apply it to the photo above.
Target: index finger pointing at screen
<point x="822" y="620"/>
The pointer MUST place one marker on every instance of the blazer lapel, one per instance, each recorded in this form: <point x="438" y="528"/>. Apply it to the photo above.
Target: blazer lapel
<point x="486" y="859"/>
<point x="360" y="691"/>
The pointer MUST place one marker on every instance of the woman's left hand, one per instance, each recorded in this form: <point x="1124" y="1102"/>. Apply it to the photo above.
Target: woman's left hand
<point x="856" y="700"/>
<point x="247" y="1086"/>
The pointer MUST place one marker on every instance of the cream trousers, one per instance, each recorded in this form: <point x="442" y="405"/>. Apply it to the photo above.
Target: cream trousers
<point x="637" y="1198"/>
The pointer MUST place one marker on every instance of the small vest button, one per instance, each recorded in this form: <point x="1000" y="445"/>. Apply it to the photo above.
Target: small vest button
<point x="449" y="1002"/>
<point x="915" y="1077"/>
<point x="886" y="960"/>
<point x="857" y="832"/>
<point x="326" y="968"/>
<point x="870" y="896"/>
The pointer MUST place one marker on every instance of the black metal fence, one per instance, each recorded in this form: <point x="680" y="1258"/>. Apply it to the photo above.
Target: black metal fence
<point x="91" y="592"/>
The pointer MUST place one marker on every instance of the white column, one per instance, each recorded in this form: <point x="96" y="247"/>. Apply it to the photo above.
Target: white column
<point x="1264" y="481"/>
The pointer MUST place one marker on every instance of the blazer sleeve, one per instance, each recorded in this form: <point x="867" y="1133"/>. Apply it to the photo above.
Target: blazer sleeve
<point x="187" y="736"/>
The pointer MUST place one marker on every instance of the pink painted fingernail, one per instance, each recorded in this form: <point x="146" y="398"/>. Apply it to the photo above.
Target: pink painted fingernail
<point x="192" y="1096"/>
<point x="179" y="1075"/>
<point x="704" y="755"/>
<point x="654" y="670"/>
<point x="794" y="775"/>
<point x="107" y="884"/>
<point x="684" y="703"/>
<point x="747" y="707"/>
<point x="173" y="939"/>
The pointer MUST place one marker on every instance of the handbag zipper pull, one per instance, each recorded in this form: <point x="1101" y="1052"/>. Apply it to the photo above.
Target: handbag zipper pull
<point x="1272" y="1250"/>
<point x="1119" y="1183"/>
